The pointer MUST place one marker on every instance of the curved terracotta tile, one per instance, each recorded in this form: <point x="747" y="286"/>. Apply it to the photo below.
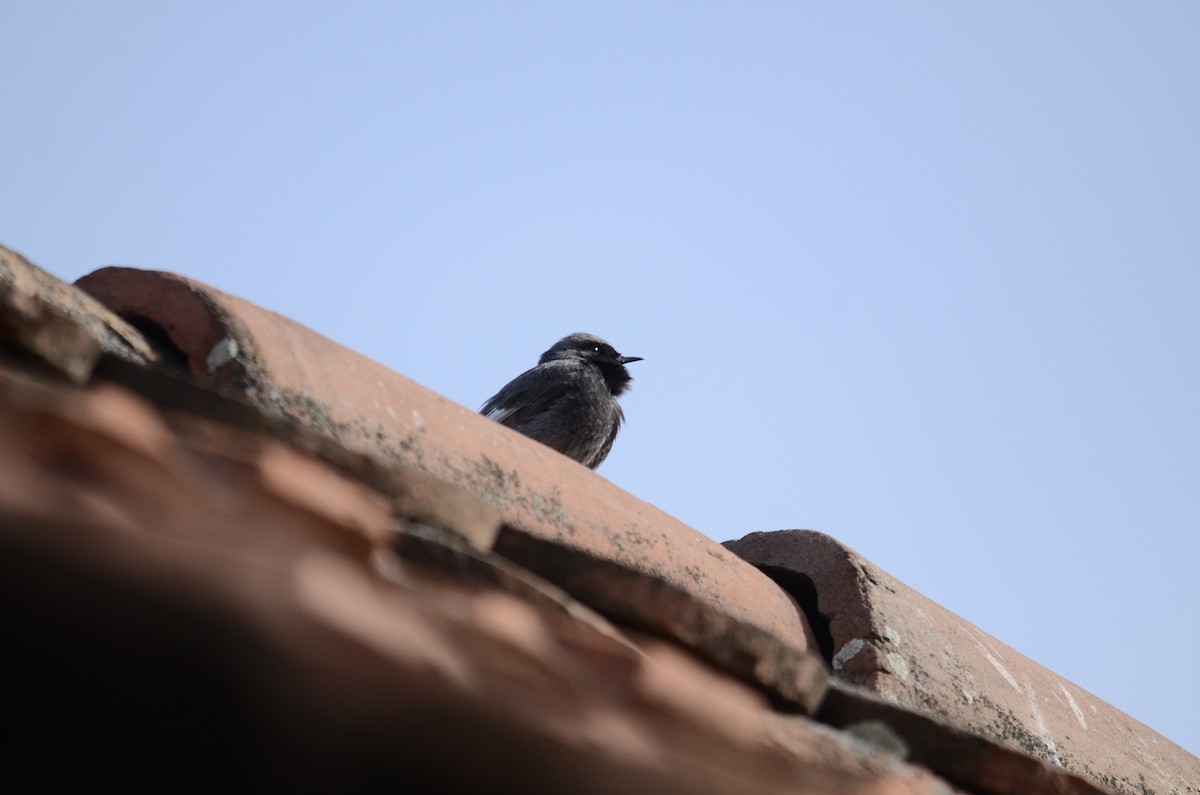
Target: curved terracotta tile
<point x="917" y="654"/>
<point x="59" y="324"/>
<point x="286" y="368"/>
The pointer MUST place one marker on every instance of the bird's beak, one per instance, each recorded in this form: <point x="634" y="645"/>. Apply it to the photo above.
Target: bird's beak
<point x="628" y="359"/>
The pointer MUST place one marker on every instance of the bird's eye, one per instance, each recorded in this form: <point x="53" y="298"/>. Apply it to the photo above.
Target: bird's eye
<point x="596" y="349"/>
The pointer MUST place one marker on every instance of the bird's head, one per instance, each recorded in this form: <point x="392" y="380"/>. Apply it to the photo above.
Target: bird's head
<point x="590" y="349"/>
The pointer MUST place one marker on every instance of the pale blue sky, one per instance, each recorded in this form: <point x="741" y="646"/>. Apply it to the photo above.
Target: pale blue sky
<point x="923" y="276"/>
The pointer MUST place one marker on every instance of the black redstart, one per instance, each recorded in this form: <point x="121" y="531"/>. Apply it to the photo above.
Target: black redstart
<point x="569" y="401"/>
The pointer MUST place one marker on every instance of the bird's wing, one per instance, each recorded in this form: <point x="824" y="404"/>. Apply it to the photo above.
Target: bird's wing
<point x="525" y="397"/>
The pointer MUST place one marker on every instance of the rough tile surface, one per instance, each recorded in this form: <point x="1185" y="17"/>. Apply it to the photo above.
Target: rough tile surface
<point x="62" y="326"/>
<point x="285" y="368"/>
<point x="913" y="652"/>
<point x="200" y="609"/>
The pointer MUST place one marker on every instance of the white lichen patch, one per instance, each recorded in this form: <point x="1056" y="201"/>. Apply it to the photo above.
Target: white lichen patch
<point x="1000" y="669"/>
<point x="1074" y="707"/>
<point x="898" y="665"/>
<point x="221" y="354"/>
<point x="847" y="653"/>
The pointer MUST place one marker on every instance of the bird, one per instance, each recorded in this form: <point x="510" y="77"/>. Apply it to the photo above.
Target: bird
<point x="569" y="400"/>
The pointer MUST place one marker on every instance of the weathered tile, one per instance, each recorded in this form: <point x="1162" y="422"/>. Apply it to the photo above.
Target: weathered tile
<point x="971" y="761"/>
<point x="791" y="676"/>
<point x="890" y="639"/>
<point x="288" y="370"/>
<point x="192" y="610"/>
<point x="59" y="323"/>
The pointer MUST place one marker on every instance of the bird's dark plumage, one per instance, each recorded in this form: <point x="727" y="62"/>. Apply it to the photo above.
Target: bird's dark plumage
<point x="569" y="401"/>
